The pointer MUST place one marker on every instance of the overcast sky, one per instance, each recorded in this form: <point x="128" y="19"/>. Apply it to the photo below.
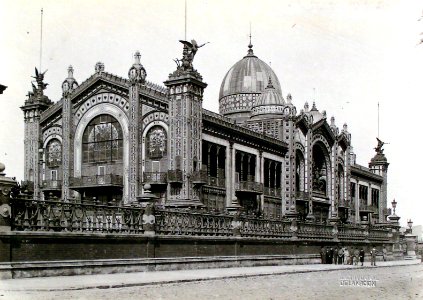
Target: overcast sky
<point x="353" y="55"/>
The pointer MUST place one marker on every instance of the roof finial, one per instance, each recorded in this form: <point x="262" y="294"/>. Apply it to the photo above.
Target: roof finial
<point x="250" y="46"/>
<point x="137" y="58"/>
<point x="70" y="72"/>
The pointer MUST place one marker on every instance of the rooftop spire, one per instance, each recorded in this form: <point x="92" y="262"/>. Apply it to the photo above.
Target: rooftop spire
<point x="250" y="46"/>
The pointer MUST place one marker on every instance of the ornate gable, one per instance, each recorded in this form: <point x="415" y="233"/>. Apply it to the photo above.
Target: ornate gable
<point x="323" y="128"/>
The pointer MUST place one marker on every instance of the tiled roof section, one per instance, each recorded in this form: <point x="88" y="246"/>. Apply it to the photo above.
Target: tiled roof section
<point x="249" y="75"/>
<point x="361" y="171"/>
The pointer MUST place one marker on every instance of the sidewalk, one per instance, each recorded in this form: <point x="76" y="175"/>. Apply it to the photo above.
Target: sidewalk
<point x="104" y="281"/>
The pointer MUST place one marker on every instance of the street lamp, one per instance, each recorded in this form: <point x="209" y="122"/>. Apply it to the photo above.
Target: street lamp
<point x="394" y="205"/>
<point x="410" y="225"/>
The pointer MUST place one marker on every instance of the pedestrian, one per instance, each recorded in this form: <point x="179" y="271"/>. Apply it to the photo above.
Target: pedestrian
<point x="335" y="256"/>
<point x="373" y="253"/>
<point x="340" y="256"/>
<point x="327" y="256"/>
<point x="347" y="256"/>
<point x="356" y="256"/>
<point x="362" y="256"/>
<point x="323" y="255"/>
<point x="384" y="253"/>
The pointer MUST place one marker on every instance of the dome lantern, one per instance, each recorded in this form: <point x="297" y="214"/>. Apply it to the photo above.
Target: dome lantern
<point x="269" y="104"/>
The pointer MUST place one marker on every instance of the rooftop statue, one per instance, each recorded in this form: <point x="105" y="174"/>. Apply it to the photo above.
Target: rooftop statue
<point x="184" y="65"/>
<point x="190" y="49"/>
<point x="379" y="146"/>
<point x="39" y="77"/>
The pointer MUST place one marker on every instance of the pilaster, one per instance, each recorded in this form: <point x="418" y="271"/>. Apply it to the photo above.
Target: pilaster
<point x="68" y="86"/>
<point x="308" y="172"/>
<point x="137" y="75"/>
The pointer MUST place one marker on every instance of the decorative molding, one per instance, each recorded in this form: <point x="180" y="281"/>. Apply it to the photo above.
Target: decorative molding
<point x="109" y="98"/>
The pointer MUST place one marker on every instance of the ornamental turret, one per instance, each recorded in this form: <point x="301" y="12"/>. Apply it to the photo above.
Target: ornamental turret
<point x="379" y="165"/>
<point x="34" y="105"/>
<point x="186" y="89"/>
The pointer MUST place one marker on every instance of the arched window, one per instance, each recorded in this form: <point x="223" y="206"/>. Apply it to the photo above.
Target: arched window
<point x="156" y="142"/>
<point x="54" y="153"/>
<point x="102" y="140"/>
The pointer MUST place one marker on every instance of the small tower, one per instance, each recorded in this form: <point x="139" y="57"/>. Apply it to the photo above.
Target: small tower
<point x="36" y="103"/>
<point x="379" y="165"/>
<point x="68" y="86"/>
<point x="186" y="88"/>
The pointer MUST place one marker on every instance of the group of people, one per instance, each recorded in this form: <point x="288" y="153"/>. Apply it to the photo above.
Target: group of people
<point x="345" y="256"/>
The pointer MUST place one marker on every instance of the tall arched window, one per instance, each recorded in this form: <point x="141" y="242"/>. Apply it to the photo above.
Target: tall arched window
<point x="102" y="140"/>
<point x="156" y="142"/>
<point x="54" y="153"/>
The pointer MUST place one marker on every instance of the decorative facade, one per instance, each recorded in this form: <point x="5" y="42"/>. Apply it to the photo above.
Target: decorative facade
<point x="108" y="137"/>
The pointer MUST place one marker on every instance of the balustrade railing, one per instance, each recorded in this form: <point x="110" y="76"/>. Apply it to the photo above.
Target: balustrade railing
<point x="31" y="215"/>
<point x="274" y="192"/>
<point x="265" y="228"/>
<point x="199" y="177"/>
<point x="198" y="224"/>
<point x="155" y="177"/>
<point x="370" y="208"/>
<point x="215" y="181"/>
<point x="37" y="215"/>
<point x="249" y="186"/>
<point x="300" y="195"/>
<point x="314" y="231"/>
<point x="174" y="176"/>
<point x="352" y="232"/>
<point x="96" y="180"/>
<point x="52" y="184"/>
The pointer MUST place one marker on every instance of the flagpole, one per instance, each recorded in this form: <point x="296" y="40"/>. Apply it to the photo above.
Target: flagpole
<point x="41" y="39"/>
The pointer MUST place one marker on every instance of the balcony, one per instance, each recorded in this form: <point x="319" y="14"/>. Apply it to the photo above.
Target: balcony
<point x="109" y="180"/>
<point x="369" y="208"/>
<point x="215" y="181"/>
<point x="199" y="177"/>
<point x="273" y="192"/>
<point x="155" y="177"/>
<point x="51" y="185"/>
<point x="249" y="187"/>
<point x="174" y="176"/>
<point x="302" y="196"/>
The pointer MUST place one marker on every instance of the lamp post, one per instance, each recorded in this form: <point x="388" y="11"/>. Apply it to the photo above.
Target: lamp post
<point x="410" y="239"/>
<point x="394" y="205"/>
<point x="394" y="218"/>
<point x="410" y="226"/>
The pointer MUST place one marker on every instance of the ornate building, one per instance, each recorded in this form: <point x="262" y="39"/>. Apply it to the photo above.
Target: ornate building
<point x="108" y="137"/>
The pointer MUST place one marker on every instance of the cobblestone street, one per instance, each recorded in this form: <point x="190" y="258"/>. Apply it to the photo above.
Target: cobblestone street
<point x="396" y="282"/>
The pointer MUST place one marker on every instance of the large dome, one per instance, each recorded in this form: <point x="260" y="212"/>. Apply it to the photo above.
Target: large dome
<point x="243" y="84"/>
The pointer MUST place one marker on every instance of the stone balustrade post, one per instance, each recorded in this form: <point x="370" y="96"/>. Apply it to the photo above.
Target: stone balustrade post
<point x="149" y="220"/>
<point x="294" y="229"/>
<point x="236" y="225"/>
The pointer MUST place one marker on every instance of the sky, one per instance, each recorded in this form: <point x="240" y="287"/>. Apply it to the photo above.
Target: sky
<point x="346" y="56"/>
